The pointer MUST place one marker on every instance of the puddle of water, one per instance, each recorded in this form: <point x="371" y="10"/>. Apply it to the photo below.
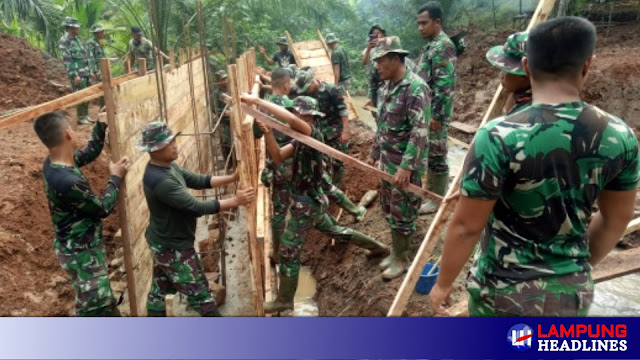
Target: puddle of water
<point x="304" y="305"/>
<point x="456" y="158"/>
<point x="617" y="297"/>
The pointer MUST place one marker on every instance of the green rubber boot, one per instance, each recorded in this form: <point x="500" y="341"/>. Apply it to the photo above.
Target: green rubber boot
<point x="437" y="183"/>
<point x="286" y="292"/>
<point x="400" y="263"/>
<point x="153" y="313"/>
<point x="375" y="248"/>
<point x="275" y="249"/>
<point x="358" y="212"/>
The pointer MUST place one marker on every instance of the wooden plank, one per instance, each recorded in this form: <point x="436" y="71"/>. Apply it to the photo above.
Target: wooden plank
<point x="437" y="227"/>
<point x="294" y="49"/>
<point x="633" y="226"/>
<point x="327" y="52"/>
<point x="336" y="154"/>
<point x="105" y="67"/>
<point x="245" y="176"/>
<point x="466" y="128"/>
<point x="172" y="58"/>
<point x="307" y="45"/>
<point x="64" y="102"/>
<point x="314" y="53"/>
<point x="317" y="62"/>
<point x="457" y="142"/>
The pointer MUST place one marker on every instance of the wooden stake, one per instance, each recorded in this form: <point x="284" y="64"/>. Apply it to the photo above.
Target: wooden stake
<point x="446" y="209"/>
<point x="180" y="57"/>
<point x="127" y="66"/>
<point x="142" y="66"/>
<point x="172" y="58"/>
<point x="336" y="154"/>
<point x="105" y="67"/>
<point x="291" y="46"/>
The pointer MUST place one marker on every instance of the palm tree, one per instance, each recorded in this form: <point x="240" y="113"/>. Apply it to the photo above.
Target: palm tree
<point x="41" y="18"/>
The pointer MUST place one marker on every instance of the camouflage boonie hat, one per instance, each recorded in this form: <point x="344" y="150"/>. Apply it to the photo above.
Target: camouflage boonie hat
<point x="96" y="28"/>
<point x="331" y="38"/>
<point x="292" y="69"/>
<point x="508" y="57"/>
<point x="304" y="79"/>
<point x="306" y="105"/>
<point x="155" y="136"/>
<point x="388" y="45"/>
<point x="70" y="21"/>
<point x="221" y="75"/>
<point x="377" y="26"/>
<point x="282" y="41"/>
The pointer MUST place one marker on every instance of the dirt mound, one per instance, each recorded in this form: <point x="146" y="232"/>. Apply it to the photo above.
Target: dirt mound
<point x="35" y="77"/>
<point x="31" y="280"/>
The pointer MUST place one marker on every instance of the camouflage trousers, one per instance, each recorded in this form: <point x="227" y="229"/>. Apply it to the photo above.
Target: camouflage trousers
<point x="89" y="276"/>
<point x="81" y="109"/>
<point x="226" y="139"/>
<point x="334" y="194"/>
<point x="305" y="213"/>
<point x="438" y="150"/>
<point x="344" y="86"/>
<point x="335" y="167"/>
<point x="568" y="295"/>
<point x="400" y="207"/>
<point x="280" y="198"/>
<point x="179" y="270"/>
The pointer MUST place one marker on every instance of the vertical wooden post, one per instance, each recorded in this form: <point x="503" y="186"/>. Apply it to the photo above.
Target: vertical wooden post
<point x="243" y="153"/>
<point x="172" y="58"/>
<point x="180" y="57"/>
<point x="142" y="66"/>
<point x="610" y="15"/>
<point x="127" y="66"/>
<point x="105" y="67"/>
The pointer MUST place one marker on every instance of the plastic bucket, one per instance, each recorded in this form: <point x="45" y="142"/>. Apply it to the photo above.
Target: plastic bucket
<point x="426" y="282"/>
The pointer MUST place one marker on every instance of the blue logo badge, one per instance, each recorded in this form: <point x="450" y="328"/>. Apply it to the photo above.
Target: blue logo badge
<point x="520" y="337"/>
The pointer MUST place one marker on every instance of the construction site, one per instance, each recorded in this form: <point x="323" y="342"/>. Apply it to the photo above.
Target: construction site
<point x="336" y="279"/>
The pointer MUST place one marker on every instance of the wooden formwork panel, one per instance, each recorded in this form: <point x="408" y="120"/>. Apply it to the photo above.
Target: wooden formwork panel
<point x="136" y="103"/>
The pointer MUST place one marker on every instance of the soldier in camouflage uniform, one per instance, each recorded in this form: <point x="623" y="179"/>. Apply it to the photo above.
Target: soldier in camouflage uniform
<point x="400" y="145"/>
<point x="76" y="212"/>
<point x="172" y="224"/>
<point x="76" y="61"/>
<point x="340" y="61"/>
<point x="508" y="58"/>
<point x="309" y="203"/>
<point x="437" y="66"/>
<point x="375" y="83"/>
<point x="531" y="179"/>
<point x="335" y="126"/>
<point x="140" y="47"/>
<point x="226" y="139"/>
<point x="95" y="51"/>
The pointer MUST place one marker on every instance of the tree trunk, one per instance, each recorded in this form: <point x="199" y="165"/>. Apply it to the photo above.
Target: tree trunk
<point x="563" y="7"/>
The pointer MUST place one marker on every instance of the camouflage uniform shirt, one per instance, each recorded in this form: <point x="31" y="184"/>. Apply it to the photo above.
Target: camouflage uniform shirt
<point x="339" y="57"/>
<point x="75" y="210"/>
<point x="74" y="56"/>
<point x="95" y="51"/>
<point x="144" y="50"/>
<point x="437" y="66"/>
<point x="308" y="171"/>
<point x="545" y="166"/>
<point x="402" y="132"/>
<point x="331" y="103"/>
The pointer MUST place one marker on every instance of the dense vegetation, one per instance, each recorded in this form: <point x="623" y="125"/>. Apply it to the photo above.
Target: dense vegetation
<point x="232" y="24"/>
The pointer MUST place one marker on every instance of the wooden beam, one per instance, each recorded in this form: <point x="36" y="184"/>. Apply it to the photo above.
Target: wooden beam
<point x="293" y="49"/>
<point x="172" y="58"/>
<point x="64" y="102"/>
<point x="466" y="128"/>
<point x="457" y="142"/>
<point x="613" y="266"/>
<point x="142" y="66"/>
<point x="437" y="227"/>
<point x="336" y="154"/>
<point x="324" y="44"/>
<point x="105" y="67"/>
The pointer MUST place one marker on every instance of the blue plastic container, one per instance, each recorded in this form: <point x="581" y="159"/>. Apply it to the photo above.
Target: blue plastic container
<point x="426" y="282"/>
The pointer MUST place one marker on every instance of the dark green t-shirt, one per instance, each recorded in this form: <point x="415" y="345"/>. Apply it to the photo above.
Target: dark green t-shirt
<point x="173" y="210"/>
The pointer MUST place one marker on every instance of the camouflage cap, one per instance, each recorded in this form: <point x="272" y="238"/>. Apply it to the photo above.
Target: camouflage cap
<point x="282" y="41"/>
<point x="508" y="57"/>
<point x="387" y="45"/>
<point x="304" y="79"/>
<point x="155" y="136"/>
<point x="70" y="21"/>
<point x="221" y="75"/>
<point x="306" y="105"/>
<point x="377" y="26"/>
<point x="292" y="69"/>
<point x="331" y="38"/>
<point x="137" y="30"/>
<point x="96" y="28"/>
